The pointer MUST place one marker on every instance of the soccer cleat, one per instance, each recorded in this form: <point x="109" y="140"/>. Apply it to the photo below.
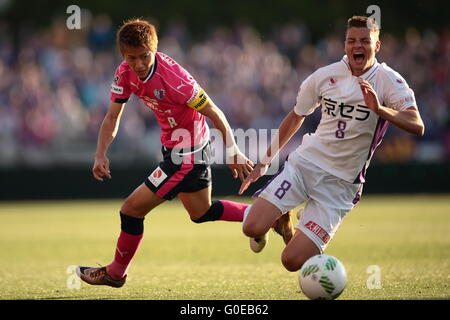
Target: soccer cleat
<point x="257" y="244"/>
<point x="98" y="276"/>
<point x="283" y="226"/>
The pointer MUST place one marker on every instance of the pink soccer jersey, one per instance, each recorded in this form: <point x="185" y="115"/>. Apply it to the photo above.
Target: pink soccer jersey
<point x="173" y="95"/>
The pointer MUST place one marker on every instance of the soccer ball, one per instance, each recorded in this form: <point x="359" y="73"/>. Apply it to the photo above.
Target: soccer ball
<point x="322" y="277"/>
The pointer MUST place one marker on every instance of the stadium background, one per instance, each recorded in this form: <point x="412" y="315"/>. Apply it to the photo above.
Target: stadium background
<point x="250" y="56"/>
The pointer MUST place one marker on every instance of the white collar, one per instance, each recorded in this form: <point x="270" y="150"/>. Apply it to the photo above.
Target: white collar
<point x="152" y="71"/>
<point x="366" y="75"/>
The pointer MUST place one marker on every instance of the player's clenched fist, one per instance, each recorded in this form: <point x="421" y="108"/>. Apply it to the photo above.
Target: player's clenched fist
<point x="369" y="94"/>
<point x="101" y="168"/>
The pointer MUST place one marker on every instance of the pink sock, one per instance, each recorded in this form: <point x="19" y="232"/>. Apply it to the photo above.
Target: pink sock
<point x="233" y="211"/>
<point x="127" y="245"/>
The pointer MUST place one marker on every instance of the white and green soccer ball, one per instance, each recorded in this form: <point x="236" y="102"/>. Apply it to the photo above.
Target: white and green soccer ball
<point x="322" y="277"/>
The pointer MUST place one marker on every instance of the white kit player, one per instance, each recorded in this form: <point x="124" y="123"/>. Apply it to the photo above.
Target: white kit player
<point x="359" y="98"/>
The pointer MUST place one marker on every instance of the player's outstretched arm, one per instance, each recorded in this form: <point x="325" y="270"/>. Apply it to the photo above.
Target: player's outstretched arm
<point x="288" y="127"/>
<point x="107" y="133"/>
<point x="238" y="163"/>
<point x="408" y="120"/>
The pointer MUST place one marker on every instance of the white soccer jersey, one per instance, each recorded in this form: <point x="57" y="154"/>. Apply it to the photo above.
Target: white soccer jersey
<point x="348" y="132"/>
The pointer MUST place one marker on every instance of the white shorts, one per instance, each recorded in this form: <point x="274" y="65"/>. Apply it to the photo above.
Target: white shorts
<point x="328" y="198"/>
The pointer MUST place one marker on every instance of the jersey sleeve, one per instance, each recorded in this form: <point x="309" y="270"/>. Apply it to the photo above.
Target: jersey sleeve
<point x="120" y="89"/>
<point x="308" y="96"/>
<point x="186" y="90"/>
<point x="400" y="96"/>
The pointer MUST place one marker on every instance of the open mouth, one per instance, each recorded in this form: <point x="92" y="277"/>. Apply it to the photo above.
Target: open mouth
<point x="358" y="57"/>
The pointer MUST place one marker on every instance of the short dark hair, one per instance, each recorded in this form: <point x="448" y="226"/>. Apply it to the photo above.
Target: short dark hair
<point x="137" y="33"/>
<point x="363" y="22"/>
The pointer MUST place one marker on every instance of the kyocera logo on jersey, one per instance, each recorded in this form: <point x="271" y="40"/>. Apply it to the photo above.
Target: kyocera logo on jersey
<point x="153" y="104"/>
<point x="332" y="81"/>
<point x="157" y="176"/>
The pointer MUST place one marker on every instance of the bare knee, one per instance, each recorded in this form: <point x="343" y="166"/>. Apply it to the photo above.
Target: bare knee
<point x="298" y="251"/>
<point x="212" y="213"/>
<point x="196" y="215"/>
<point x="292" y="262"/>
<point x="253" y="230"/>
<point x="248" y="229"/>
<point x="130" y="208"/>
<point x="140" y="202"/>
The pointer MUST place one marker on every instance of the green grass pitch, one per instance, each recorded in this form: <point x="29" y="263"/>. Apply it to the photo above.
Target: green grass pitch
<point x="406" y="237"/>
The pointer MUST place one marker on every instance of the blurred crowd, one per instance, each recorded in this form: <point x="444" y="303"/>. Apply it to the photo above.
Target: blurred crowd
<point x="54" y="90"/>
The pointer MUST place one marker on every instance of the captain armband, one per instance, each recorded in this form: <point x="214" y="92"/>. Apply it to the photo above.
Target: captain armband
<point x="198" y="100"/>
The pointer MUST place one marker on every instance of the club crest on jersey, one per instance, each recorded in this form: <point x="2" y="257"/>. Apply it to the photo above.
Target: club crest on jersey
<point x="159" y="93"/>
<point x="116" y="80"/>
<point x="333" y="81"/>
